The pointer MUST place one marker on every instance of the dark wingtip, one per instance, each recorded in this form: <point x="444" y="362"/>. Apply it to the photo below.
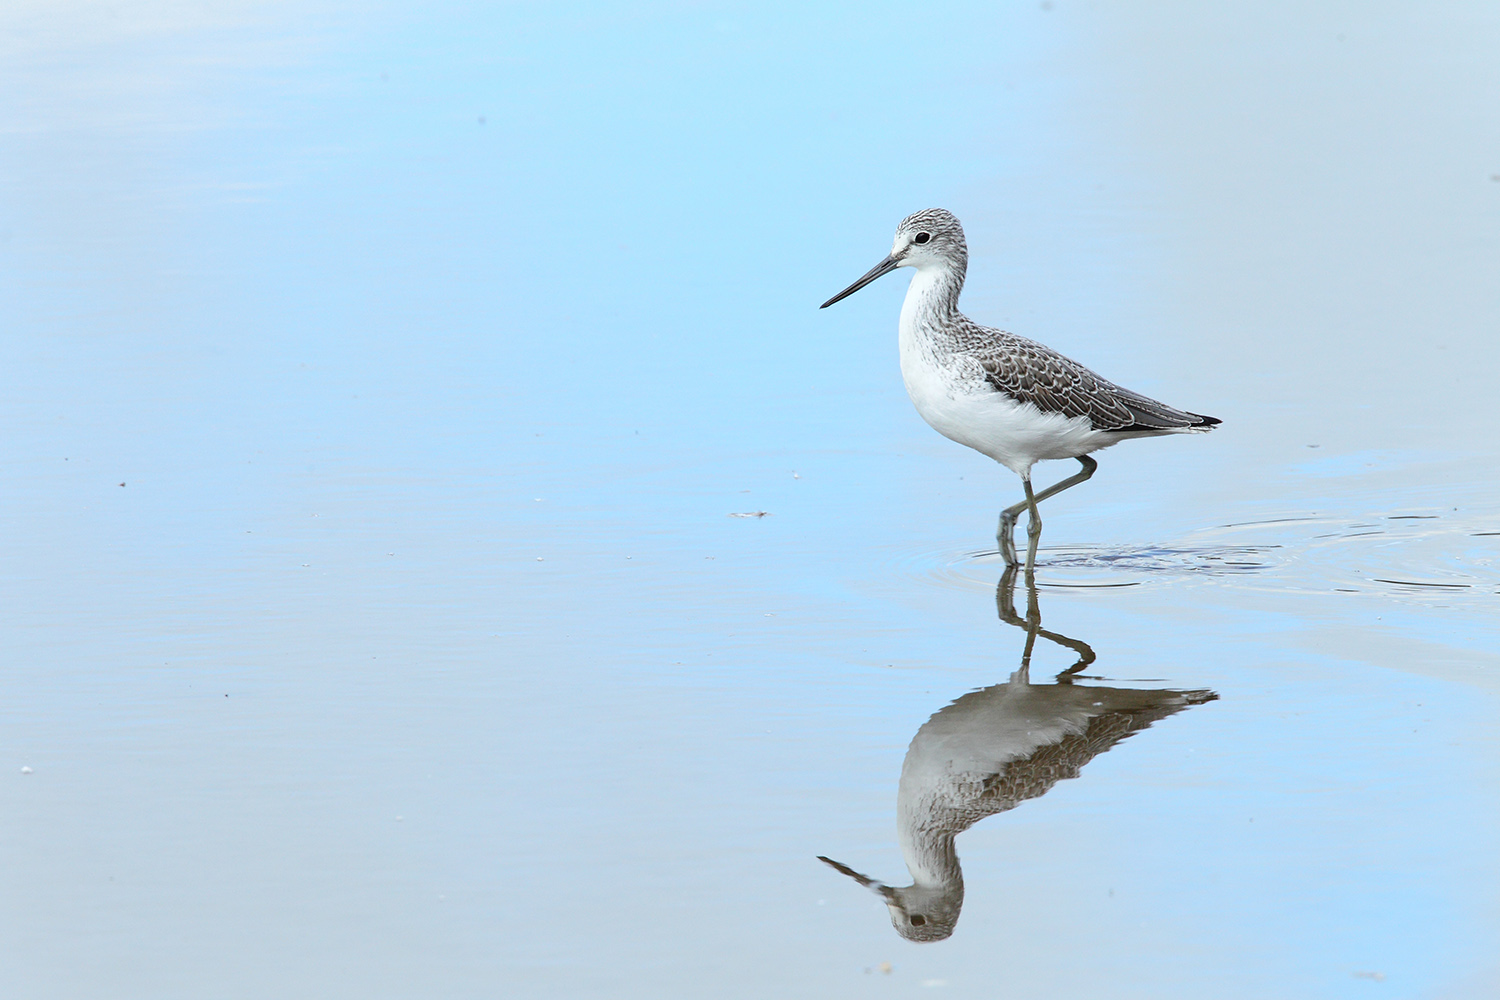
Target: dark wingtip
<point x="1205" y="421"/>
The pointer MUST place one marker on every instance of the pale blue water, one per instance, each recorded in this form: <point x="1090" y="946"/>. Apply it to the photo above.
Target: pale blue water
<point x="418" y="654"/>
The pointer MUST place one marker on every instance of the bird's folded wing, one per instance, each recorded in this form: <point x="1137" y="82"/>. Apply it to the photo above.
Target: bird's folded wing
<point x="1033" y="775"/>
<point x="1031" y="373"/>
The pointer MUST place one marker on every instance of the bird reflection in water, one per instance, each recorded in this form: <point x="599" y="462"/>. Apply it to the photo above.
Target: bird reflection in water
<point x="990" y="751"/>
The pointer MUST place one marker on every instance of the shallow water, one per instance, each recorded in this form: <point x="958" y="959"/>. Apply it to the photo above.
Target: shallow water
<point x="384" y="382"/>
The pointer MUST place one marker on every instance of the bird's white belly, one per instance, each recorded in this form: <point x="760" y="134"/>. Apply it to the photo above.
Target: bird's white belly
<point x="964" y="408"/>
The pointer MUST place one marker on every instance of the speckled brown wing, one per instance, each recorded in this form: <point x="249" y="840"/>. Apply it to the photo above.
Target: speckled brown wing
<point x="1032" y="373"/>
<point x="1035" y="774"/>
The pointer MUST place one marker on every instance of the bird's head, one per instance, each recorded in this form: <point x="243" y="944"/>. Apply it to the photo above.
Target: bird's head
<point x="931" y="238"/>
<point x="918" y="912"/>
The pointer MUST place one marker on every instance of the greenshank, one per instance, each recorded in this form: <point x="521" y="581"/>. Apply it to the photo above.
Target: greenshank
<point x="1013" y="399"/>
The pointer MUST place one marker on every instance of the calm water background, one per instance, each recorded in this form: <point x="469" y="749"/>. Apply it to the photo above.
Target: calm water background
<point x="379" y="380"/>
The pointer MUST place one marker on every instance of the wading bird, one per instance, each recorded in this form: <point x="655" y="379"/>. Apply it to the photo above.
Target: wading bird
<point x="1007" y="397"/>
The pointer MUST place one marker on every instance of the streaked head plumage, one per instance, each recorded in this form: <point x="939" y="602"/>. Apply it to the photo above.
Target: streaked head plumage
<point x="929" y="239"/>
<point x="919" y="913"/>
<point x="931" y="236"/>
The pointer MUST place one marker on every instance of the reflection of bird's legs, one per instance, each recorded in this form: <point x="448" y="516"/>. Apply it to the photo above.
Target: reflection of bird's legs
<point x="1005" y="603"/>
<point x="1006" y="535"/>
<point x="1005" y="597"/>
<point x="1085" y="656"/>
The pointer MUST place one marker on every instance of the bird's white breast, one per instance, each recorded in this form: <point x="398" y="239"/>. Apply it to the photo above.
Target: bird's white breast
<point x="950" y="392"/>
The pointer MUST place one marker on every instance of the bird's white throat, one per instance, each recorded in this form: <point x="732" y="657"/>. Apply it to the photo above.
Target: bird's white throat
<point x="932" y="293"/>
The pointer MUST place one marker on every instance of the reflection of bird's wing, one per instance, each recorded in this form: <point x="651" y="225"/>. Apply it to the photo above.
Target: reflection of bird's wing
<point x="995" y="748"/>
<point x="1031" y="776"/>
<point x="1033" y="373"/>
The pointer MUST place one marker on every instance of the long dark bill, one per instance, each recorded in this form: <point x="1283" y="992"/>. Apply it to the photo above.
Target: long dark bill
<point x="879" y="888"/>
<point x="884" y="267"/>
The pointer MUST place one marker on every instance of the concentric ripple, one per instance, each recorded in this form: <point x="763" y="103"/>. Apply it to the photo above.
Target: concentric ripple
<point x="1449" y="558"/>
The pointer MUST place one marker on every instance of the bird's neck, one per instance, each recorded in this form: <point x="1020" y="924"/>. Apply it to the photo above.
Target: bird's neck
<point x="927" y="848"/>
<point x="932" y="299"/>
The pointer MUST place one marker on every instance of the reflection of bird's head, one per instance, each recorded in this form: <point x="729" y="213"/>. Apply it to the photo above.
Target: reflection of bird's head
<point x="919" y="913"/>
<point x="924" y="913"/>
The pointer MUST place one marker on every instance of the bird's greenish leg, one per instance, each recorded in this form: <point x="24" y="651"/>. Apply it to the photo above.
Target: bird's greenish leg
<point x="1006" y="535"/>
<point x="1033" y="532"/>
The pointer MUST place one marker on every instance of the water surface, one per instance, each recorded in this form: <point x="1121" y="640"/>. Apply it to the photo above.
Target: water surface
<point x="382" y="380"/>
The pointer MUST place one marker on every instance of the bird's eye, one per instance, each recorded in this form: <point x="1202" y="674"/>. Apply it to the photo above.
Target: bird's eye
<point x="917" y="920"/>
<point x="922" y="238"/>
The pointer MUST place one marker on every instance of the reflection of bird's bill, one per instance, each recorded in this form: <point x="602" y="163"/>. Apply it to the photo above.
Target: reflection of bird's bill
<point x="883" y="268"/>
<point x="879" y="888"/>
